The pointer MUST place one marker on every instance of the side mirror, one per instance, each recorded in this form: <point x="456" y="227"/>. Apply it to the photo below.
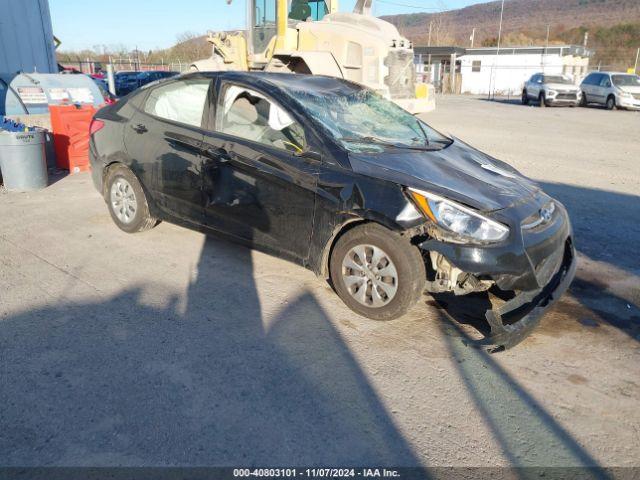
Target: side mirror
<point x="310" y="155"/>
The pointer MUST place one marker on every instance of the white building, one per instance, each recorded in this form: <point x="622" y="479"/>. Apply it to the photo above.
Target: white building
<point x="504" y="72"/>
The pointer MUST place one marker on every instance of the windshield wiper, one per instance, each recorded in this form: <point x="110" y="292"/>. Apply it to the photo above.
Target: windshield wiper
<point x="384" y="143"/>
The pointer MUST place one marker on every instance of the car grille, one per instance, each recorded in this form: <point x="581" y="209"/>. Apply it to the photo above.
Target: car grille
<point x="636" y="96"/>
<point x="402" y="74"/>
<point x="567" y="96"/>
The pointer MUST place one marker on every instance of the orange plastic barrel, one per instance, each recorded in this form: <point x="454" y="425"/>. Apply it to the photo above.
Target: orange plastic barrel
<point x="70" y="125"/>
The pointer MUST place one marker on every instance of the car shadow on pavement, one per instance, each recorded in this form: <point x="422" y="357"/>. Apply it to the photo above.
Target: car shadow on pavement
<point x="528" y="434"/>
<point x="508" y="101"/>
<point x="212" y="382"/>
<point x="607" y="231"/>
<point x="605" y="223"/>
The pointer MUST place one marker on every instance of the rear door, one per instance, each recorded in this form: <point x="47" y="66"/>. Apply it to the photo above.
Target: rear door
<point x="595" y="94"/>
<point x="593" y="87"/>
<point x="604" y="88"/>
<point x="257" y="186"/>
<point x="164" y="141"/>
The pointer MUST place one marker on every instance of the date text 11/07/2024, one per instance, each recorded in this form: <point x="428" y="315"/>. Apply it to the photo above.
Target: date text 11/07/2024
<point x="316" y="472"/>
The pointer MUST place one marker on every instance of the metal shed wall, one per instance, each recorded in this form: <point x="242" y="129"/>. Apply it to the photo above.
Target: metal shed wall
<point x="26" y="37"/>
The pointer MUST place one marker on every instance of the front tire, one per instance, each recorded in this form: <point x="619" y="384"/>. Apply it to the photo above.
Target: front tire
<point x="376" y="272"/>
<point x="127" y="202"/>
<point x="525" y="98"/>
<point x="583" y="100"/>
<point x="611" y="103"/>
<point x="543" y="100"/>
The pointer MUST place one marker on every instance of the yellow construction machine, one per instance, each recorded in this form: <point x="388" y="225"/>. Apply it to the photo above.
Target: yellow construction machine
<point x="312" y="37"/>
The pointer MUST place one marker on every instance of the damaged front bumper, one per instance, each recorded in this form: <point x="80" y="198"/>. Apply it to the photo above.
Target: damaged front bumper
<point x="535" y="303"/>
<point x="537" y="265"/>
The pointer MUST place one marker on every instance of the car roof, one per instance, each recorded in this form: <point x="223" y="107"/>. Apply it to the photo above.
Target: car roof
<point x="321" y="84"/>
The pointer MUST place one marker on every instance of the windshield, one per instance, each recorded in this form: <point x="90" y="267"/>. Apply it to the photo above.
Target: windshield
<point x="626" y="80"/>
<point x="557" y="79"/>
<point x="361" y="119"/>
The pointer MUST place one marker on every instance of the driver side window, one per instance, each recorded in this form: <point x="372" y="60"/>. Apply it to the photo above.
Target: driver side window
<point x="250" y="115"/>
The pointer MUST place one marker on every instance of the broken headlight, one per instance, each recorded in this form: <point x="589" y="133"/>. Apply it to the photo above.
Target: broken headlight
<point x="459" y="223"/>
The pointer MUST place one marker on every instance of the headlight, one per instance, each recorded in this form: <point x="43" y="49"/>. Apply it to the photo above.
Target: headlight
<point x="551" y="93"/>
<point x="461" y="224"/>
<point x="624" y="94"/>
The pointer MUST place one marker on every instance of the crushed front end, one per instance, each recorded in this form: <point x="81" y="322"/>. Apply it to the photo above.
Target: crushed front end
<point x="529" y="271"/>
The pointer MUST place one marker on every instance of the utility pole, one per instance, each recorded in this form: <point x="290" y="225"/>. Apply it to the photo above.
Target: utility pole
<point x="546" y="48"/>
<point x="429" y="44"/>
<point x="473" y="37"/>
<point x="547" y="42"/>
<point x="635" y="66"/>
<point x="492" y="77"/>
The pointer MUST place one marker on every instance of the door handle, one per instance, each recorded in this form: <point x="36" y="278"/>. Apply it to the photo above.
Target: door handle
<point x="139" y="128"/>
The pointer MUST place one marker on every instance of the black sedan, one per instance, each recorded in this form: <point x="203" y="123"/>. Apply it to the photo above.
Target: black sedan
<point x="331" y="175"/>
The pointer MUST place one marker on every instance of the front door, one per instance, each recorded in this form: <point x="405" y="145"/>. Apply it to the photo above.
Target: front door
<point x="257" y="186"/>
<point x="164" y="141"/>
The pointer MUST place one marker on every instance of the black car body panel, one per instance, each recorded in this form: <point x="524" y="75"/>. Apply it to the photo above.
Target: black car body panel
<point x="459" y="172"/>
<point x="296" y="204"/>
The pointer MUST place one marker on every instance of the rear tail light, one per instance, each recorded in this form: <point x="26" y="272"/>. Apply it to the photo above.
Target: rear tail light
<point x="96" y="126"/>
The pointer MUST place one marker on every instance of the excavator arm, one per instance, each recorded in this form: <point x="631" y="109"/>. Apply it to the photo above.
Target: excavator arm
<point x="363" y="7"/>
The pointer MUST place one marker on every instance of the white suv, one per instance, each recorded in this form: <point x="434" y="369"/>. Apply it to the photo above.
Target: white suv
<point x="551" y="90"/>
<point x="611" y="89"/>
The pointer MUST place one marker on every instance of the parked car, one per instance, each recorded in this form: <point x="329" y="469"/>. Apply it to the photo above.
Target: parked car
<point x="331" y="175"/>
<point x="124" y="80"/>
<point x="550" y="90"/>
<point x="611" y="89"/>
<point x="134" y="82"/>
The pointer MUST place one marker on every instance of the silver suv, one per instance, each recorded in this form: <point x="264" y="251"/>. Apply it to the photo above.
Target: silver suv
<point x="612" y="90"/>
<point x="551" y="90"/>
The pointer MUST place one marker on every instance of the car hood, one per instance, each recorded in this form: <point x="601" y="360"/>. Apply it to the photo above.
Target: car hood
<point x="563" y="87"/>
<point x="630" y="89"/>
<point x="459" y="172"/>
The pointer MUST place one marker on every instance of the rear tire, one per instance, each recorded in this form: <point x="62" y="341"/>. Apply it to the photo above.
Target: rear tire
<point x="127" y="202"/>
<point x="376" y="272"/>
<point x="611" y="103"/>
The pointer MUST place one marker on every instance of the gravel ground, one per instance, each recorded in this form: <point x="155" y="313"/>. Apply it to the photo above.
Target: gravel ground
<point x="171" y="348"/>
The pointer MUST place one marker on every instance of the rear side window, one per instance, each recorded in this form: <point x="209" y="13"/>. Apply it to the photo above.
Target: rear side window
<point x="181" y="101"/>
<point x="593" y="79"/>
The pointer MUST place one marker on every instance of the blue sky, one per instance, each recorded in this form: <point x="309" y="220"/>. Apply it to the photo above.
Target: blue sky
<point x="150" y="24"/>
